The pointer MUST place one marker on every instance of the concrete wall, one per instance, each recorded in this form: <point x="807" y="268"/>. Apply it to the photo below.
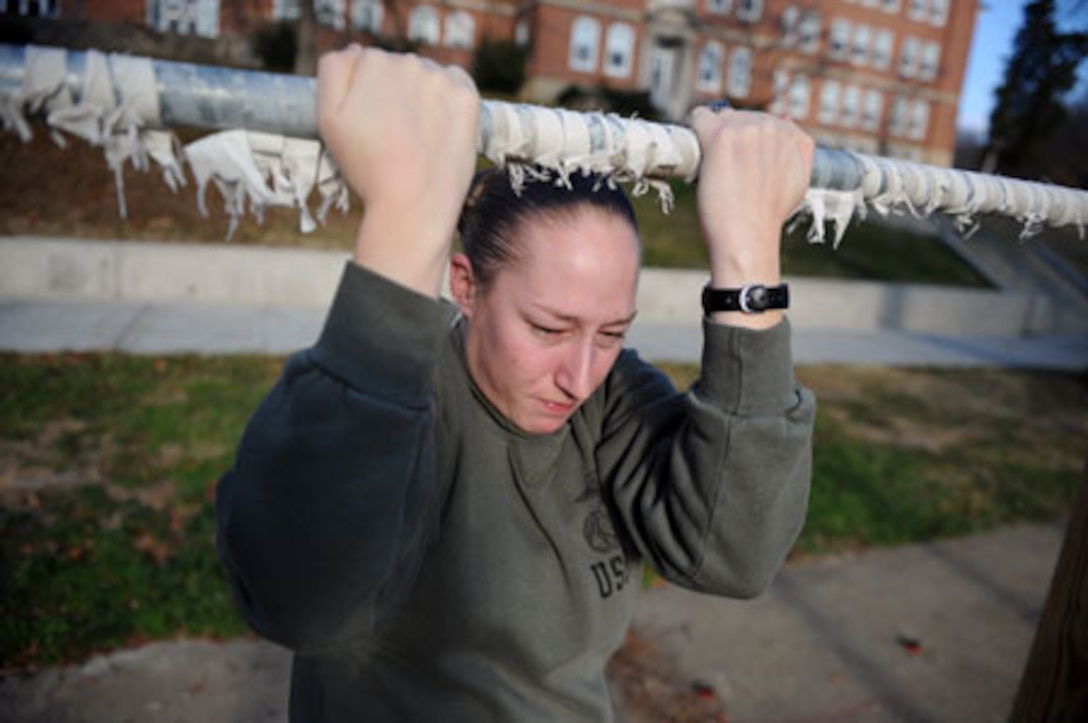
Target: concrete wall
<point x="158" y="273"/>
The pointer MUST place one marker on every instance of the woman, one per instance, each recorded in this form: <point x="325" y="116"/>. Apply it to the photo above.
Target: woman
<point x="441" y="509"/>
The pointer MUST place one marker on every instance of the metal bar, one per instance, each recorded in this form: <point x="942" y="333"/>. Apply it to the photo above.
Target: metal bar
<point x="216" y="98"/>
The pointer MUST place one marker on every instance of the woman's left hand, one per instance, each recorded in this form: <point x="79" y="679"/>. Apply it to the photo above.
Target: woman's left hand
<point x="754" y="172"/>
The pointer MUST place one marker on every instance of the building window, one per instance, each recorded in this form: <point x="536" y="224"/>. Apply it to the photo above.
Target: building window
<point x="916" y="10"/>
<point x="460" y="30"/>
<point x="585" y="39"/>
<point x="619" y="50"/>
<point x="423" y="25"/>
<point x="799" y="96"/>
<point x="719" y="7"/>
<point x="36" y="8"/>
<point x="898" y="121"/>
<point x="939" y="12"/>
<point x="810" y="32"/>
<point x="908" y="59"/>
<point x="919" y="120"/>
<point x="367" y="15"/>
<point x="740" y="72"/>
<point x="829" y="102"/>
<point x="522" y="33"/>
<point x="931" y="59"/>
<point x="874" y="106"/>
<point x="791" y="17"/>
<point x="284" y="9"/>
<point x="187" y="17"/>
<point x="851" y="99"/>
<point x="330" y="13"/>
<point x="781" y="87"/>
<point x="882" y="50"/>
<point x="750" y="10"/>
<point x="840" y="39"/>
<point x="891" y="6"/>
<point x="860" y="55"/>
<point x="710" y="68"/>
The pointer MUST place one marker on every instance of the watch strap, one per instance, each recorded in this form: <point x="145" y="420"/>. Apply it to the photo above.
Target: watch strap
<point x="749" y="299"/>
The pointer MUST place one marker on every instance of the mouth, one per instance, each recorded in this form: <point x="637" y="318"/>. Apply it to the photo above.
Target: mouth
<point x="558" y="408"/>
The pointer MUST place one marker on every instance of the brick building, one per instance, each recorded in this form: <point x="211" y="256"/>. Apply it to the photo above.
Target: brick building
<point x="878" y="76"/>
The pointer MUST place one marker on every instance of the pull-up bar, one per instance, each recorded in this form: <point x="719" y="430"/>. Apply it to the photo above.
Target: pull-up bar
<point x="214" y="98"/>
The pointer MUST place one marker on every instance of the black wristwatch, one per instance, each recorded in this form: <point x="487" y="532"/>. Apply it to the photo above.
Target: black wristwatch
<point x="750" y="299"/>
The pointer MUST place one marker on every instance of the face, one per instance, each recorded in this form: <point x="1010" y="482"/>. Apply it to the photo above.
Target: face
<point x="547" y="330"/>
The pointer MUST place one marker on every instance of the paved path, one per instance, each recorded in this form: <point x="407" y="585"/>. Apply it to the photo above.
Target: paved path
<point x="33" y="325"/>
<point x="914" y="634"/>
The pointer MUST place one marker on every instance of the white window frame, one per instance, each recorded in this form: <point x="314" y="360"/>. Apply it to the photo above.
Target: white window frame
<point x="368" y="15"/>
<point x="938" y="12"/>
<point x="460" y="30"/>
<point x="709" y="72"/>
<point x="897" y="122"/>
<point x="719" y="7"/>
<point x="194" y="17"/>
<point x="799" y="97"/>
<point x="829" y="103"/>
<point x="781" y="88"/>
<point x="859" y="49"/>
<point x="851" y="106"/>
<point x="285" y="9"/>
<point x="619" y="43"/>
<point x="890" y="6"/>
<point x="874" y="108"/>
<point x="839" y="39"/>
<point x="908" y="57"/>
<point x="522" y="33"/>
<point x="791" y="21"/>
<point x="425" y="25"/>
<point x="810" y="32"/>
<point x="883" y="49"/>
<point x="739" y="83"/>
<point x="930" y="63"/>
<point x="585" y="35"/>
<point x="918" y="125"/>
<point x="917" y="10"/>
<point x="330" y="13"/>
<point x="749" y="11"/>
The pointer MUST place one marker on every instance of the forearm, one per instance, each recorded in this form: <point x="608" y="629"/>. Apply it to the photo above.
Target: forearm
<point x="712" y="488"/>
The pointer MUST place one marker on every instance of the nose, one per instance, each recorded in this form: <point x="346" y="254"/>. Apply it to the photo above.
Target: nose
<point x="574" y="375"/>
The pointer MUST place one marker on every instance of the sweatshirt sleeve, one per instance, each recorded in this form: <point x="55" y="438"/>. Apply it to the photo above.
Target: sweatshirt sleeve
<point x="711" y="487"/>
<point x="326" y="512"/>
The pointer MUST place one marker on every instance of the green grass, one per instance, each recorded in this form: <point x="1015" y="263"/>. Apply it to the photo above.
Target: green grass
<point x="109" y="462"/>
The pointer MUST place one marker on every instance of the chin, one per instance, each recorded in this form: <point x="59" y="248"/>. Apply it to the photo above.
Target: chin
<point x="541" y="426"/>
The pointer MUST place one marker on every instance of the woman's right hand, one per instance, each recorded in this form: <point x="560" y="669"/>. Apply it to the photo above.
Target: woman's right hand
<point x="403" y="132"/>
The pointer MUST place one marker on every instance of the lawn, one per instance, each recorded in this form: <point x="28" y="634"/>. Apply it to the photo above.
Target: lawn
<point x="108" y="463"/>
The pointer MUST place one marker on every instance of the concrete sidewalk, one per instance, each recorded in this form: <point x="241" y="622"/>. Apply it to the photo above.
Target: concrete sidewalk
<point x="47" y="325"/>
<point x="914" y="634"/>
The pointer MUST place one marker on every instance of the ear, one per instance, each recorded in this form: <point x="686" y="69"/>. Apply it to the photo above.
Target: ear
<point x="462" y="283"/>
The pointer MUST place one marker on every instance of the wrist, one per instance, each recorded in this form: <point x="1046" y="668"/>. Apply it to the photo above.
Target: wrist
<point x="755" y="306"/>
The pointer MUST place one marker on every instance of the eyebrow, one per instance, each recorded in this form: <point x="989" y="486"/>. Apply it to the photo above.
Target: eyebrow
<point x="567" y="318"/>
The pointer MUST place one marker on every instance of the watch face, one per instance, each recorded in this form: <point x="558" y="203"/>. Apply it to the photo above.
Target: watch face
<point x="755" y="299"/>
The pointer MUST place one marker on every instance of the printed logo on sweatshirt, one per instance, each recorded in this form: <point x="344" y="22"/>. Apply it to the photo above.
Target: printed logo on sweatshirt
<point x="598" y="529"/>
<point x="611" y="575"/>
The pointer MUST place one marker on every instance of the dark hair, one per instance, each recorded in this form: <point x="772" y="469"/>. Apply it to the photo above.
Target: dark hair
<point x="494" y="211"/>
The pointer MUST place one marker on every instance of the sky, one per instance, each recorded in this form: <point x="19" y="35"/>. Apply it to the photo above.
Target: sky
<point x="995" y="30"/>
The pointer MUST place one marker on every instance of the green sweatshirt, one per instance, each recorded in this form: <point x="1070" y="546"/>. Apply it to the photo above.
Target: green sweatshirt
<point x="427" y="561"/>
